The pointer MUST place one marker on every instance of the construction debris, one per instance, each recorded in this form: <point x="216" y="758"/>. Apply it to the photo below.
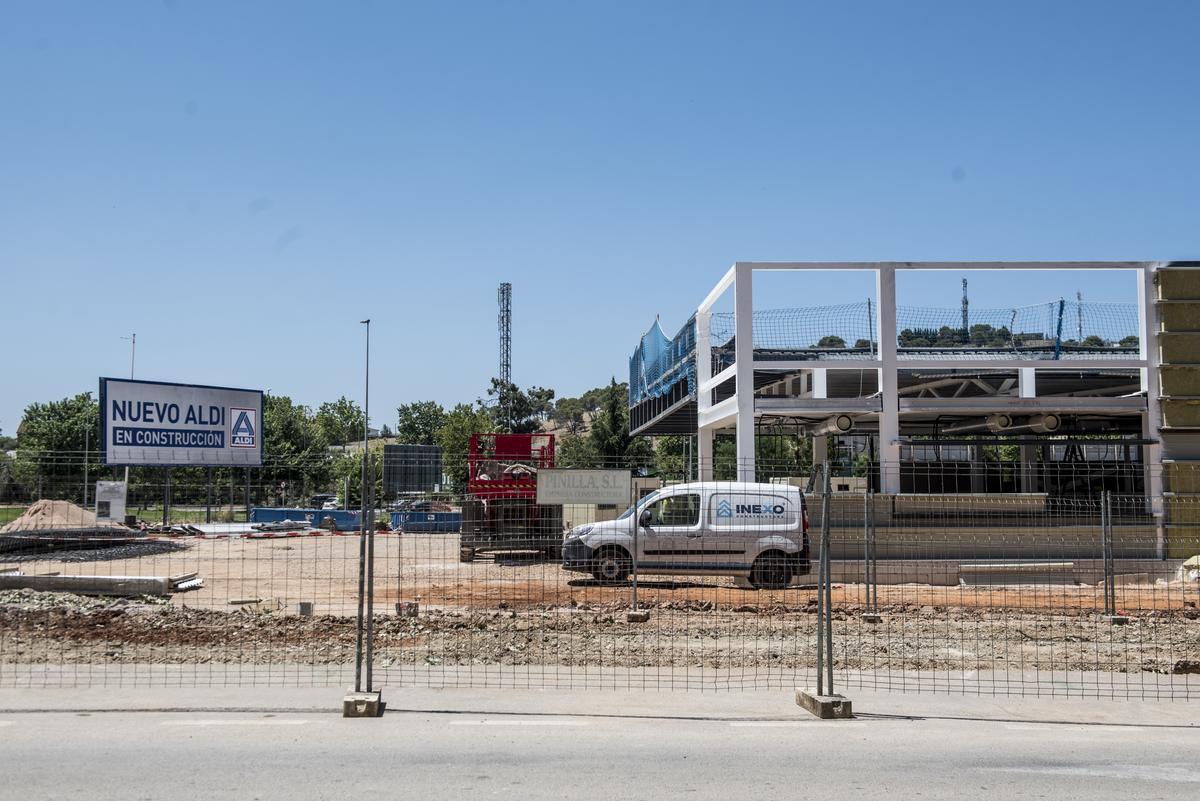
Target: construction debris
<point x="48" y="516"/>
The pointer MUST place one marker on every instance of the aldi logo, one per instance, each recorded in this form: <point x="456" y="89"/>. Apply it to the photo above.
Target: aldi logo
<point x="724" y="509"/>
<point x="244" y="431"/>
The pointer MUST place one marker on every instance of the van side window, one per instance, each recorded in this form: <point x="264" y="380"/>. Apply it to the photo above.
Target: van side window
<point x="676" y="510"/>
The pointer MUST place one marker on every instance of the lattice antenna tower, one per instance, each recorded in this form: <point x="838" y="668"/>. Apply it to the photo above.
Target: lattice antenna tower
<point x="1079" y="313"/>
<point x="965" y="321"/>
<point x="504" y="323"/>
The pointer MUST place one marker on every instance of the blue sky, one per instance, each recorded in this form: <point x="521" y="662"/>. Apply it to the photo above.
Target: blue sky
<point x="240" y="183"/>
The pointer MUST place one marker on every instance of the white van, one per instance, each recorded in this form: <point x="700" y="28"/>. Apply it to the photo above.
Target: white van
<point x="708" y="528"/>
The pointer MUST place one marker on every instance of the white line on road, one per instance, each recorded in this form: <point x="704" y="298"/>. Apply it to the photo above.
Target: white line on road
<point x="787" y="724"/>
<point x="234" y="722"/>
<point x="517" y="722"/>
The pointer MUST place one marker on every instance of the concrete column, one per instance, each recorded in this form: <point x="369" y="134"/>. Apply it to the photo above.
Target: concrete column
<point x="1027" y="388"/>
<point x="704" y="454"/>
<point x="1152" y="418"/>
<point x="743" y="303"/>
<point x="1029" y="468"/>
<point x="819" y="383"/>
<point x="820" y="451"/>
<point x="889" y="416"/>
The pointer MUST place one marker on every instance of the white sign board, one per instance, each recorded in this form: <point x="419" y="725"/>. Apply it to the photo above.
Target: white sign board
<point x="584" y="486"/>
<point x="151" y="423"/>
<point x="110" y="500"/>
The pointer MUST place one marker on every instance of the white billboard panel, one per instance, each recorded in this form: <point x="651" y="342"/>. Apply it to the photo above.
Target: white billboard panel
<point x="152" y="423"/>
<point x="584" y="486"/>
<point x="110" y="500"/>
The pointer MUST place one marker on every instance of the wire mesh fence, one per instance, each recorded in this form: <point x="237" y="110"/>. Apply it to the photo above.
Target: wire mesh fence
<point x="249" y="581"/>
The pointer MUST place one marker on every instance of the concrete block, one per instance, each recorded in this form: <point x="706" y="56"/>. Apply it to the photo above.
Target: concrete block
<point x="825" y="707"/>
<point x="1175" y="284"/>
<point x="1180" y="379"/>
<point x="408" y="608"/>
<point x="1181" y="413"/>
<point x="639" y="616"/>
<point x="872" y="617"/>
<point x="306" y="609"/>
<point x="362" y="704"/>
<point x="1183" y="541"/>
<point x="1182" y="510"/>
<point x="1179" y="347"/>
<point x="1179" y="315"/>
<point x="1182" y="477"/>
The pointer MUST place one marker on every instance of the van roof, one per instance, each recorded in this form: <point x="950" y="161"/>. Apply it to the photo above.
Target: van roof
<point x="735" y="486"/>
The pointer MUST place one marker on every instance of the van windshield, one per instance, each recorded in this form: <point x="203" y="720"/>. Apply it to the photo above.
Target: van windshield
<point x="643" y="502"/>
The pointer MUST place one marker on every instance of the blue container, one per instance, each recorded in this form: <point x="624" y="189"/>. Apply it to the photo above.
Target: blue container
<point x="440" y="522"/>
<point x="345" y="521"/>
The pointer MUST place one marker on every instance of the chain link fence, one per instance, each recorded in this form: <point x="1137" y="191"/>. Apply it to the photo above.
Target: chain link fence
<point x="240" y="577"/>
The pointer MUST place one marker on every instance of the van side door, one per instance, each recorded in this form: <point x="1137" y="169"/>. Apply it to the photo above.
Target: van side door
<point x="673" y="531"/>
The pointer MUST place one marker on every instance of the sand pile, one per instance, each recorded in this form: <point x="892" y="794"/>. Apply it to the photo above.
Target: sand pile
<point x="57" y="516"/>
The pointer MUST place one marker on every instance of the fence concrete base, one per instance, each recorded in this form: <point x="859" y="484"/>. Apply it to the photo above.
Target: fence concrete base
<point x="826" y="707"/>
<point x="362" y="705"/>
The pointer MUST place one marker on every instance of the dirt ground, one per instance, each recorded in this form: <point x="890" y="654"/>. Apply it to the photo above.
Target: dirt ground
<point x="280" y="573"/>
<point x="517" y="611"/>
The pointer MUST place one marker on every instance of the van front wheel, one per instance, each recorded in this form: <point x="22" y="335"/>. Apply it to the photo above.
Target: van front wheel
<point x="611" y="565"/>
<point x="771" y="571"/>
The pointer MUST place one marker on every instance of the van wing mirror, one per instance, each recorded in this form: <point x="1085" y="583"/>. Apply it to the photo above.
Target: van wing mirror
<point x="644" y="519"/>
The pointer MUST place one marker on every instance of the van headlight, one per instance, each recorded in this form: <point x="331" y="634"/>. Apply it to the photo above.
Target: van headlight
<point x="581" y="531"/>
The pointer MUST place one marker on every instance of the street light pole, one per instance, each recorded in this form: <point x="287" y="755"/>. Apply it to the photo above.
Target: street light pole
<point x="366" y="550"/>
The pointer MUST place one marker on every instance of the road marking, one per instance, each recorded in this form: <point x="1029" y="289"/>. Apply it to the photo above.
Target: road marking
<point x="786" y="724"/>
<point x="235" y="722"/>
<point x="517" y="722"/>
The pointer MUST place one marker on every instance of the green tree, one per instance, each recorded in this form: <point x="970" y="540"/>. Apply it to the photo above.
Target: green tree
<point x="340" y="421"/>
<point x="574" y="451"/>
<point x="346" y="471"/>
<point x="831" y="341"/>
<point x="569" y="413"/>
<point x="513" y="411"/>
<point x="671" y="457"/>
<point x="53" y="441"/>
<point x="419" y="422"/>
<point x="610" y="437"/>
<point x="454" y="437"/>
<point x="1093" y="341"/>
<point x="542" y="401"/>
<point x="1129" y="342"/>
<point x="296" y="458"/>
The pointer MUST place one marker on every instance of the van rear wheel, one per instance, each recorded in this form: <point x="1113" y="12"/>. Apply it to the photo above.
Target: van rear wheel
<point x="771" y="571"/>
<point x="611" y="565"/>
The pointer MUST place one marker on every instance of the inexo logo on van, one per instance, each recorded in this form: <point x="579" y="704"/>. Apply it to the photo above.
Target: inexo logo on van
<point x="724" y="509"/>
<point x="759" y="510"/>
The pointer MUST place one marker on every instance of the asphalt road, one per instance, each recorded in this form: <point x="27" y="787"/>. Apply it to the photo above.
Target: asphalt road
<point x="532" y="745"/>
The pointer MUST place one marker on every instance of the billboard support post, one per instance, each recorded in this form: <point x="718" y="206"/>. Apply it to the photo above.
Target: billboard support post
<point x="166" y="514"/>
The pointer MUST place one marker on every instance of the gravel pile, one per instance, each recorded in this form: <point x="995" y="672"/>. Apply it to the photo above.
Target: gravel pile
<point x="38" y="552"/>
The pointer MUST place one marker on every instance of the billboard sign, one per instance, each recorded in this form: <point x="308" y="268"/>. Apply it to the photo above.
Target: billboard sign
<point x="152" y="423"/>
<point x="611" y="487"/>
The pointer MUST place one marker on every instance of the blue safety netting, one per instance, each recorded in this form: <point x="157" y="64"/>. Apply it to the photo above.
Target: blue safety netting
<point x="660" y="363"/>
